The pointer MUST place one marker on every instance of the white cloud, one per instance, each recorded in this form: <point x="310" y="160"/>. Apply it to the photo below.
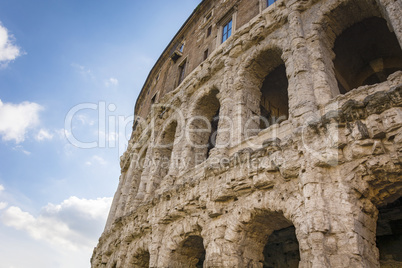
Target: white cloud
<point x="75" y="224"/>
<point x="96" y="158"/>
<point x="16" y="119"/>
<point x="3" y="205"/>
<point x="111" y="82"/>
<point x="1" y="188"/>
<point x="100" y="160"/>
<point x="21" y="149"/>
<point x="84" y="71"/>
<point x="44" y="134"/>
<point x="8" y="50"/>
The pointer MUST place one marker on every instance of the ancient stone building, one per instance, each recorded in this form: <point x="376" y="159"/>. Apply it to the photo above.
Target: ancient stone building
<point x="268" y="134"/>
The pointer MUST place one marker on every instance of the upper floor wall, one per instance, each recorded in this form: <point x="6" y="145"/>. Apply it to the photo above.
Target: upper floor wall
<point x="211" y="23"/>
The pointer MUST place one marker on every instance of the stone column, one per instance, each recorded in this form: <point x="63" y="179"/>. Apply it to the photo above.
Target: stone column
<point x="133" y="181"/>
<point x="302" y="102"/>
<point x="339" y="226"/>
<point x="322" y="71"/>
<point x="144" y="178"/>
<point x="125" y="181"/>
<point x="245" y="109"/>
<point x="392" y="10"/>
<point x="220" y="250"/>
<point x="225" y="126"/>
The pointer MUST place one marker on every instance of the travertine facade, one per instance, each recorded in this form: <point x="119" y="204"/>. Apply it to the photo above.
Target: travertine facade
<point x="267" y="135"/>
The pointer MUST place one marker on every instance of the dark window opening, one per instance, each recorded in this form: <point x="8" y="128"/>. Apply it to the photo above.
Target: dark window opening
<point x="227" y="31"/>
<point x="135" y="125"/>
<point x="274" y="106"/>
<point x="142" y="260"/>
<point x="389" y="234"/>
<point x="182" y="71"/>
<point x="282" y="249"/>
<point x="214" y="132"/>
<point x="165" y="146"/>
<point x="205" y="54"/>
<point x="191" y="253"/>
<point x="209" y="31"/>
<point x="366" y="54"/>
<point x="153" y="99"/>
<point x="203" y="128"/>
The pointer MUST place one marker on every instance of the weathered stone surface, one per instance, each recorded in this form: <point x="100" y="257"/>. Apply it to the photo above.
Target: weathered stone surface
<point x="254" y="158"/>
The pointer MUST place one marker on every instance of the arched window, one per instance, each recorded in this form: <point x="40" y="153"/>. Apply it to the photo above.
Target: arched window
<point x="164" y="148"/>
<point x="365" y="53"/>
<point x="190" y="253"/>
<point x="265" y="91"/>
<point x="389" y="234"/>
<point x="142" y="260"/>
<point x="282" y="249"/>
<point x="203" y="125"/>
<point x="269" y="239"/>
<point x="274" y="97"/>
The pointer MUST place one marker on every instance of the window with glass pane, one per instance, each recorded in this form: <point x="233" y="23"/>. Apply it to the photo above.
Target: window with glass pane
<point x="182" y="70"/>
<point x="270" y="2"/>
<point x="227" y="31"/>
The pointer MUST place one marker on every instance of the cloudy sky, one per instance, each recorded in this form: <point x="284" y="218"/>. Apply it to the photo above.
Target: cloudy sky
<point x="70" y="72"/>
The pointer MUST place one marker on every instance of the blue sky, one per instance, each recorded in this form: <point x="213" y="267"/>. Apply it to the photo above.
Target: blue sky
<point x="70" y="72"/>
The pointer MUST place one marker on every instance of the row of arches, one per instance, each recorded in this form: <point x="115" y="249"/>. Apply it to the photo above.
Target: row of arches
<point x="268" y="240"/>
<point x="365" y="52"/>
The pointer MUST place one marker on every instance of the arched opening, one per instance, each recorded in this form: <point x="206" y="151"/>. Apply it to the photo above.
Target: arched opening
<point x="274" y="104"/>
<point x="204" y="125"/>
<point x="270" y="241"/>
<point x="164" y="148"/>
<point x="365" y="53"/>
<point x="141" y="260"/>
<point x="389" y="234"/>
<point x="265" y="91"/>
<point x="213" y="133"/>
<point x="191" y="253"/>
<point x="282" y="249"/>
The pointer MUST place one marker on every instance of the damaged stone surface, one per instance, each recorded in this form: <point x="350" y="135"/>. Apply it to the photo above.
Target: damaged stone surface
<point x="319" y="186"/>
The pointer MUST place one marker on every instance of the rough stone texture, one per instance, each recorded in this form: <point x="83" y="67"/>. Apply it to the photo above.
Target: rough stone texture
<point x="320" y="187"/>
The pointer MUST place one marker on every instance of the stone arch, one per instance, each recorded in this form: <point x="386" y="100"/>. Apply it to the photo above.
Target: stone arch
<point x="389" y="233"/>
<point x="266" y="88"/>
<point x="183" y="245"/>
<point x="387" y="198"/>
<point x="190" y="253"/>
<point x="162" y="160"/>
<point x="366" y="53"/>
<point x="203" y="123"/>
<point x="359" y="44"/>
<point x="163" y="148"/>
<point x="265" y="238"/>
<point x="138" y="255"/>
